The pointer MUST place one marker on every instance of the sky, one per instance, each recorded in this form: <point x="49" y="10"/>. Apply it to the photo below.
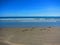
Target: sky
<point x="16" y="8"/>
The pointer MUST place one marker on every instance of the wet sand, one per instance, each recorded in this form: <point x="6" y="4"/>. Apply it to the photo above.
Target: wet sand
<point x="30" y="36"/>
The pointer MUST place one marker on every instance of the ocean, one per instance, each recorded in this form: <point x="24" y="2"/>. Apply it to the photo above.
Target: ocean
<point x="29" y="24"/>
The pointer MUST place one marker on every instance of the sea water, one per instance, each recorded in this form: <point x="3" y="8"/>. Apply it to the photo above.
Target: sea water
<point x="30" y="22"/>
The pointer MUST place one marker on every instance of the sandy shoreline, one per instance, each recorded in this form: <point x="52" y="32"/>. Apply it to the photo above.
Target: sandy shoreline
<point x="30" y="36"/>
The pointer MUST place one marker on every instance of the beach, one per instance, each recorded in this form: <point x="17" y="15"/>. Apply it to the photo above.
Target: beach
<point x="30" y="36"/>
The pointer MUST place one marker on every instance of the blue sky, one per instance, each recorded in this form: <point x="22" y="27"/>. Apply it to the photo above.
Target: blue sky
<point x="29" y="8"/>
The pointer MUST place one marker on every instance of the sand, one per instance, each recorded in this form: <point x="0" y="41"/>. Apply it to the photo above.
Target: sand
<point x="30" y="36"/>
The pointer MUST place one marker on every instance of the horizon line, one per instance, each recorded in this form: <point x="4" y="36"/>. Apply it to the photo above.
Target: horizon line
<point x="32" y="17"/>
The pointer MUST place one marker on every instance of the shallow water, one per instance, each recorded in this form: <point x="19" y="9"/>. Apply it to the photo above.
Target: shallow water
<point x="29" y="24"/>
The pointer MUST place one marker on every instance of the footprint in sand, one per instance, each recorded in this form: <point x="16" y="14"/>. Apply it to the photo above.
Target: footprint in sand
<point x="24" y="30"/>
